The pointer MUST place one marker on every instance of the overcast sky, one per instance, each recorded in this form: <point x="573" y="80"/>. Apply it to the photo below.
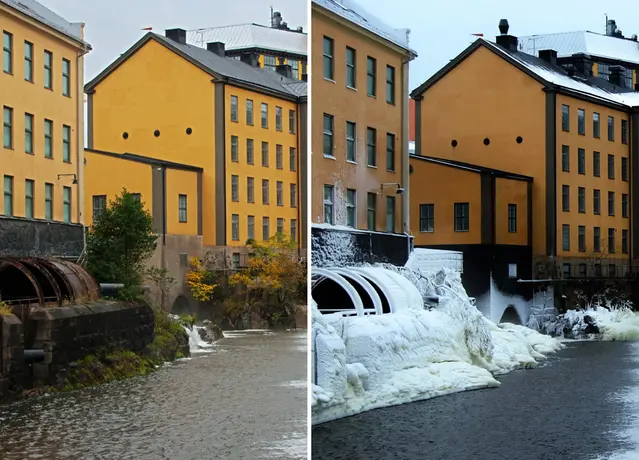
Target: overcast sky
<point x="112" y="26"/>
<point x="441" y="30"/>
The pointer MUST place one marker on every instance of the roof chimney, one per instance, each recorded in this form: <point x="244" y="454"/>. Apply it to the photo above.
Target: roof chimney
<point x="305" y="77"/>
<point x="550" y="56"/>
<point x="250" y="59"/>
<point x="617" y="76"/>
<point x="276" y="22"/>
<point x="285" y="70"/>
<point x="611" y="27"/>
<point x="583" y="63"/>
<point x="177" y="35"/>
<point x="504" y="40"/>
<point x="217" y="48"/>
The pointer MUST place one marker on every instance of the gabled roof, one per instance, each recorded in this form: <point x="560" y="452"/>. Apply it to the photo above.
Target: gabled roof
<point x="251" y="36"/>
<point x="583" y="41"/>
<point x="221" y="68"/>
<point x="44" y="15"/>
<point x="351" y="11"/>
<point x="472" y="167"/>
<point x="550" y="76"/>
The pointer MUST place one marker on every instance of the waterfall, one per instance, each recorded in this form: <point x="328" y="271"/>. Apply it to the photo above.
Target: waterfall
<point x="196" y="344"/>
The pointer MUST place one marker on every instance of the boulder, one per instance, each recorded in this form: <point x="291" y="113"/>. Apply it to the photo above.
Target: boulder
<point x="210" y="332"/>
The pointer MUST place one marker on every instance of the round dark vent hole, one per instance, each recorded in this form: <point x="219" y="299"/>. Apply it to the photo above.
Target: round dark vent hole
<point x="189" y="131"/>
<point x="410" y="169"/>
<point x="454" y="143"/>
<point x="519" y="139"/>
<point x="125" y="135"/>
<point x="486" y="141"/>
<point x="156" y="133"/>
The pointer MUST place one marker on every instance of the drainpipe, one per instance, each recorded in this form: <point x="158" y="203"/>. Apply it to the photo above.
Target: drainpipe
<point x="79" y="71"/>
<point x="405" y="154"/>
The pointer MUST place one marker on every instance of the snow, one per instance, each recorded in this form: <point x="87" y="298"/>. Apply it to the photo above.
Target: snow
<point x="614" y="323"/>
<point x="367" y="362"/>
<point x="432" y="259"/>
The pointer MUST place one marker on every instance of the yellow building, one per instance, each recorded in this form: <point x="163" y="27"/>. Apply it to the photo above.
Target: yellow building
<point x="41" y="98"/>
<point x="244" y="127"/>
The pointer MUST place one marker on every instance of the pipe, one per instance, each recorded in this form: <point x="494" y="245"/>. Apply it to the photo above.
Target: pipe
<point x="405" y="154"/>
<point x="33" y="356"/>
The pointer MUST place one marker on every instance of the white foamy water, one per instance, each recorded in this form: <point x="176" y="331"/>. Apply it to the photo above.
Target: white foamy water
<point x="615" y="324"/>
<point x="196" y="344"/>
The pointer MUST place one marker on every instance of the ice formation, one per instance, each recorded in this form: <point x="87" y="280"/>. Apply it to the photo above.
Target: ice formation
<point x="367" y="362"/>
<point x="606" y="323"/>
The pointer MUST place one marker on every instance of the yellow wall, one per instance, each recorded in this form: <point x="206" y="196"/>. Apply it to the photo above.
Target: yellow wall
<point x="159" y="90"/>
<point x="509" y="191"/>
<point x="26" y="97"/>
<point x="180" y="182"/>
<point x="257" y="171"/>
<point x="100" y="171"/>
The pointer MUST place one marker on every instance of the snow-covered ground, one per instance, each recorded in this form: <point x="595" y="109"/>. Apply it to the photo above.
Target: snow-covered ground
<point x="613" y="323"/>
<point x="367" y="362"/>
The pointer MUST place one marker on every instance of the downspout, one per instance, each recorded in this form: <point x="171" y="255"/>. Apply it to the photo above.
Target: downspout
<point x="79" y="70"/>
<point x="405" y="155"/>
<point x="298" y="164"/>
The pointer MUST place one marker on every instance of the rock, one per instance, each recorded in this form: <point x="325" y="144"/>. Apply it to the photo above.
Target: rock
<point x="210" y="332"/>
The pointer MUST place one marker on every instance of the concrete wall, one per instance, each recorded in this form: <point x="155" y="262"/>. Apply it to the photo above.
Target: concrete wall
<point x="11" y="356"/>
<point x="21" y="237"/>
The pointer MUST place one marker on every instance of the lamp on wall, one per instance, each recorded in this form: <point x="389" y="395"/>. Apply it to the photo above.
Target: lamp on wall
<point x="400" y="190"/>
<point x="75" y="179"/>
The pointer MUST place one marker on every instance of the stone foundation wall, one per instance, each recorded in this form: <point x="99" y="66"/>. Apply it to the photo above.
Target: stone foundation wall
<point x="11" y="356"/>
<point x="36" y="238"/>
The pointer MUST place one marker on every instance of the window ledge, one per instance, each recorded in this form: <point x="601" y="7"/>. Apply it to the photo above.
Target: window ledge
<point x="330" y="80"/>
<point x="427" y="231"/>
<point x="351" y="162"/>
<point x="329" y="157"/>
<point x="352" y="88"/>
<point x="371" y="166"/>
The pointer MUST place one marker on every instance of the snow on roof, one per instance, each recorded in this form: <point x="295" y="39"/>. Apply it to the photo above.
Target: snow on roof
<point x="351" y="11"/>
<point x="40" y="13"/>
<point x="431" y="259"/>
<point x="345" y="228"/>
<point x="583" y="41"/>
<point x="247" y="36"/>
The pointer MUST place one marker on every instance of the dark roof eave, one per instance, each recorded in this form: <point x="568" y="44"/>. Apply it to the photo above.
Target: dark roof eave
<point x="147" y="160"/>
<point x="472" y="167"/>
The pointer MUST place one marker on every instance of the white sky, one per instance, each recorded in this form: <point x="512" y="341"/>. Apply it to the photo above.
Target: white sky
<point x="112" y="26"/>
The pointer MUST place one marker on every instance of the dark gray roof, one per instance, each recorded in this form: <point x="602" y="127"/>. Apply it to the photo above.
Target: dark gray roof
<point x="258" y="79"/>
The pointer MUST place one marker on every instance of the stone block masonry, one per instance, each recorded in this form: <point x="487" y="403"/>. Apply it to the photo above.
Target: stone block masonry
<point x="33" y="238"/>
<point x="11" y="356"/>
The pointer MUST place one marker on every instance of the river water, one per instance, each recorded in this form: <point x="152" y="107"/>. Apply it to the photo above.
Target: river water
<point x="582" y="404"/>
<point x="246" y="399"/>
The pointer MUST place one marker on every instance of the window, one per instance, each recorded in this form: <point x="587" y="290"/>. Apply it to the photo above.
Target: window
<point x="99" y="205"/>
<point x="596" y="239"/>
<point x="596" y="130"/>
<point x="512" y="218"/>
<point x="293" y="195"/>
<point x="581" y="199"/>
<point x="291" y="121"/>
<point x="390" y="152"/>
<point x="624" y="131"/>
<point x="279" y="157"/>
<point x="279" y="193"/>
<point x="265" y="154"/>
<point x="250" y="157"/>
<point x="611" y="166"/>
<point x="270" y="63"/>
<point x="264" y="115"/>
<point x="624" y="169"/>
<point x="328" y="204"/>
<point x="48" y="69"/>
<point x="280" y="226"/>
<point x="582" y="270"/>
<point x="235" y="188"/>
<point x="235" y="227"/>
<point x="351" y="207"/>
<point x="612" y="270"/>
<point x="265" y="229"/>
<point x="66" y="78"/>
<point x="28" y="133"/>
<point x="624" y="205"/>
<point x="234" y="116"/>
<point x="390" y="84"/>
<point x="250" y="224"/>
<point x="581" y="161"/>
<point x="235" y="155"/>
<point x="565" y="118"/>
<point x="7" y="52"/>
<point x="371" y="76"/>
<point x="249" y="112"/>
<point x="371" y="146"/>
<point x="512" y="270"/>
<point x="426" y="217"/>
<point x="582" y="239"/>
<point x="137" y="197"/>
<point x="371" y="211"/>
<point x="250" y="190"/>
<point x="236" y="260"/>
<point x="66" y="203"/>
<point x="565" y="198"/>
<point x="565" y="158"/>
<point x="28" y="61"/>
<point x="8" y="195"/>
<point x="565" y="237"/>
<point x="566" y="269"/>
<point x="278" y="118"/>
<point x="624" y="241"/>
<point x="265" y="191"/>
<point x="611" y="203"/>
<point x="462" y="217"/>
<point x="390" y="214"/>
<point x="48" y="201"/>
<point x="596" y="202"/>
<point x="596" y="164"/>
<point x="7" y="127"/>
<point x="48" y="139"/>
<point x="328" y="58"/>
<point x="182" y="214"/>
<point x="598" y="269"/>
<point x="328" y="135"/>
<point x="581" y="121"/>
<point x="611" y="240"/>
<point x="294" y="229"/>
<point x="351" y="130"/>
<point x="350" y="68"/>
<point x="611" y="128"/>
<point x="292" y="158"/>
<point x="66" y="143"/>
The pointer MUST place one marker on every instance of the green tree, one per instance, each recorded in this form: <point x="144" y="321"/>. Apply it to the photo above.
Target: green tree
<point x="120" y="241"/>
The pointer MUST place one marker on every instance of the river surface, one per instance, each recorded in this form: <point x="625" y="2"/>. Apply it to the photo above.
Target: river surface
<point x="582" y="404"/>
<point x="247" y="399"/>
